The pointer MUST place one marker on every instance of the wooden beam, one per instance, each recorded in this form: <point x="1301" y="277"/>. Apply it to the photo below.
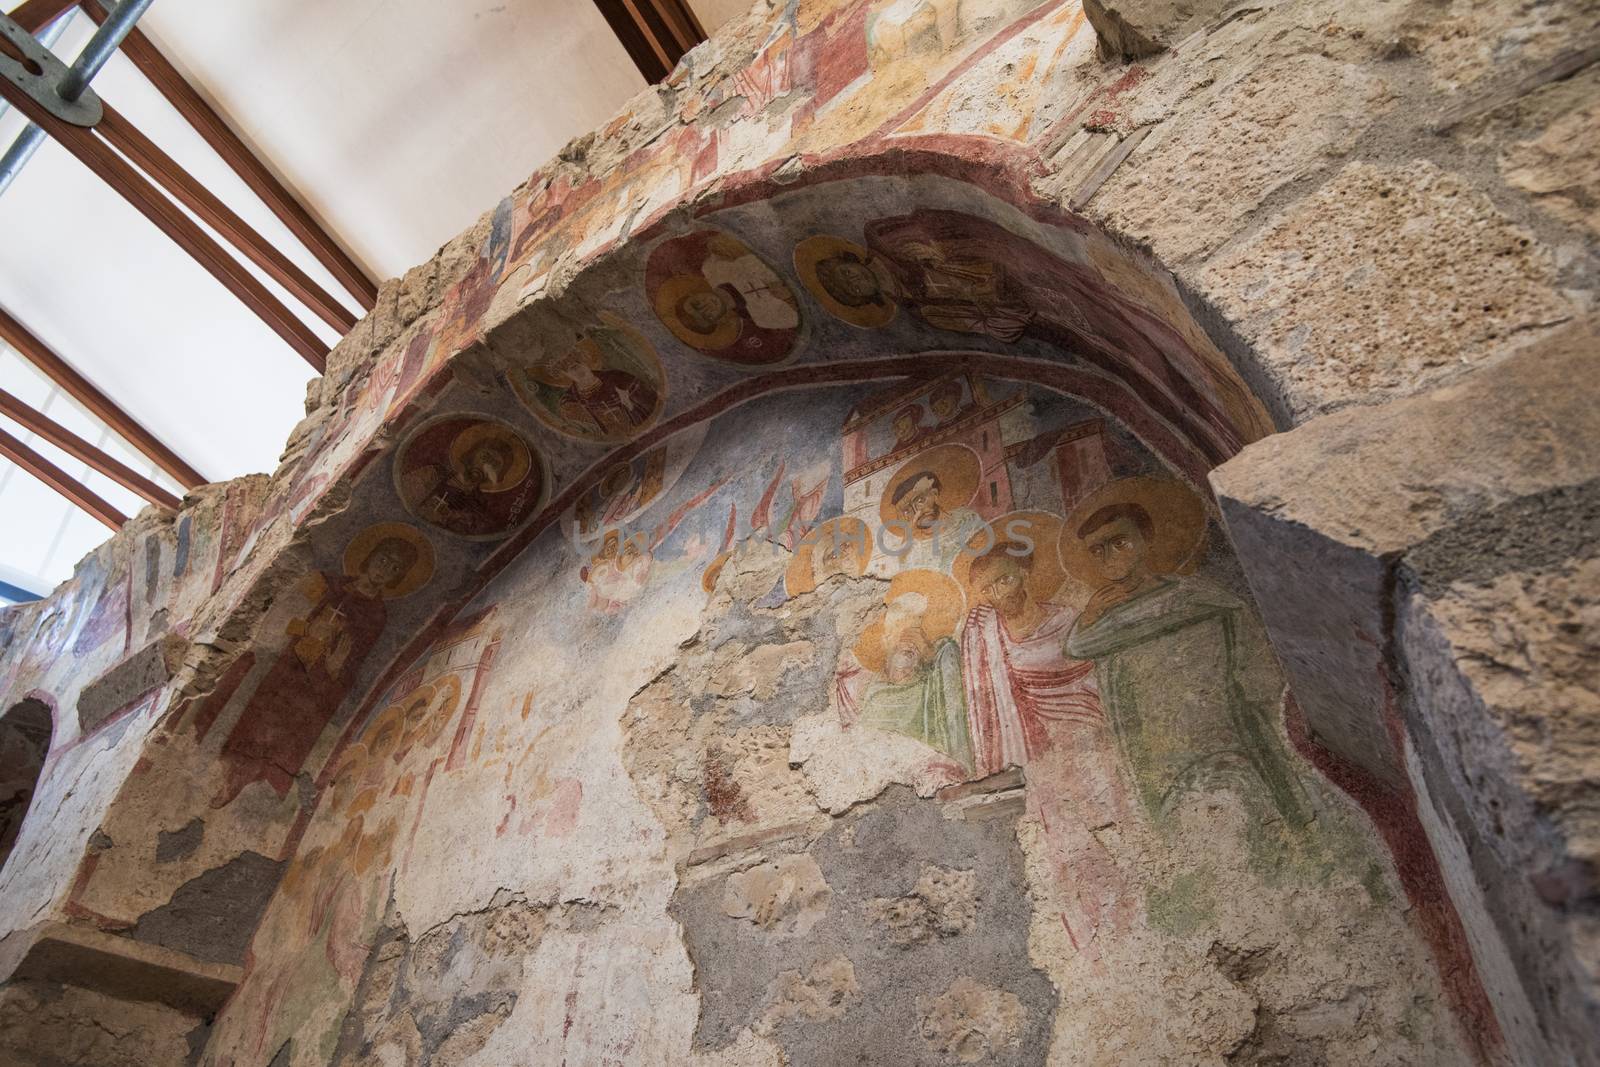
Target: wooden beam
<point x="38" y="423"/>
<point x="243" y="160"/>
<point x="112" y="169"/>
<point x="101" y="406"/>
<point x="60" y="481"/>
<point x="148" y="157"/>
<point x="655" y="33"/>
<point x="35" y="15"/>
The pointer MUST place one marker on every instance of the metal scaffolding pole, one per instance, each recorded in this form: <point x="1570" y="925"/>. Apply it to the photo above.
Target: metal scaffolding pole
<point x="72" y="85"/>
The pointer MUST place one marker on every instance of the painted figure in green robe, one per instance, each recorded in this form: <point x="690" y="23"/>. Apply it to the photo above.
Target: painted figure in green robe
<point x="1186" y="678"/>
<point x="920" y="693"/>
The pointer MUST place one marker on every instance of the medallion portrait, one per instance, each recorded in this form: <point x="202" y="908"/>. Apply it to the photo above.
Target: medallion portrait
<point x="474" y="477"/>
<point x="721" y="299"/>
<point x="851" y="283"/>
<point x="608" y="387"/>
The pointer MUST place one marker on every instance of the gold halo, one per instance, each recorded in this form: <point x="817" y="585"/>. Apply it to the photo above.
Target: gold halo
<point x="363" y="543"/>
<point x="445" y="710"/>
<point x="813" y="250"/>
<point x="956" y="467"/>
<point x="1045" y="575"/>
<point x="799" y="577"/>
<point x="946" y="605"/>
<point x="521" y="457"/>
<point x="671" y="292"/>
<point x="1176" y="512"/>
<point x="393" y="715"/>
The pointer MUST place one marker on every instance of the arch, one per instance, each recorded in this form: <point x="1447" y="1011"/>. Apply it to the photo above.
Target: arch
<point x="26" y="730"/>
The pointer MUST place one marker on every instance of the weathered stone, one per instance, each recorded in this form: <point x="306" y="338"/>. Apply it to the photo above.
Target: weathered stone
<point x="1133" y="29"/>
<point x="1421" y="567"/>
<point x="147" y="669"/>
<point x="1329" y="291"/>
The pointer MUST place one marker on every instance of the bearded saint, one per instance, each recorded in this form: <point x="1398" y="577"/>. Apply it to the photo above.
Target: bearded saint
<point x="1018" y="681"/>
<point x="1028" y="705"/>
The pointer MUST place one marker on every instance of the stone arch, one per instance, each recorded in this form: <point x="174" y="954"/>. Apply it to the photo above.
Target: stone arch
<point x="1026" y="293"/>
<point x="26" y="731"/>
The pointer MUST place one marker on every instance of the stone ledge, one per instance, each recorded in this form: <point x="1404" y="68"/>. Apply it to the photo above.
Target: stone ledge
<point x="127" y="969"/>
<point x="133" y="677"/>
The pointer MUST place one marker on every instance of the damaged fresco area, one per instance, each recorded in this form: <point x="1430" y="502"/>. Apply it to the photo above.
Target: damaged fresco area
<point x="1002" y="782"/>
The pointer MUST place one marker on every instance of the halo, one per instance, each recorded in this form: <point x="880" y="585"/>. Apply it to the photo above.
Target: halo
<point x="946" y="605"/>
<point x="363" y="543"/>
<point x="667" y="298"/>
<point x="641" y="363"/>
<point x="813" y="250"/>
<point x="414" y="714"/>
<point x="1046" y="574"/>
<point x="1175" y="510"/>
<point x="521" y="457"/>
<point x="800" y="576"/>
<point x="449" y="688"/>
<point x="956" y="467"/>
<point x="393" y="715"/>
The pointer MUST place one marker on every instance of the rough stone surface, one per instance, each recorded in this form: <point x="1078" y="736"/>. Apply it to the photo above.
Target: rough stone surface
<point x="613" y="772"/>
<point x="1467" y="515"/>
<point x="1331" y="291"/>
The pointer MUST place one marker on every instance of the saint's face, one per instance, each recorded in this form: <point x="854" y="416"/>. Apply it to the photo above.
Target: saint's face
<point x="905" y="427"/>
<point x="1004" y="590"/>
<point x="1118" y="548"/>
<point x="704" y="310"/>
<point x="944" y="406"/>
<point x="906" y="659"/>
<point x="484" y="466"/>
<point x="850" y="281"/>
<point x="921" y="507"/>
<point x="385" y="566"/>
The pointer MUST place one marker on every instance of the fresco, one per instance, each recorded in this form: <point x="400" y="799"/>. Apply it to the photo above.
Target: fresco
<point x="609" y="386"/>
<point x="983" y="590"/>
<point x="721" y="299"/>
<point x="474" y="477"/>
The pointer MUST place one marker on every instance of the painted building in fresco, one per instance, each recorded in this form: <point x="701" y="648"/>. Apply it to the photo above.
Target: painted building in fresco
<point x="772" y="605"/>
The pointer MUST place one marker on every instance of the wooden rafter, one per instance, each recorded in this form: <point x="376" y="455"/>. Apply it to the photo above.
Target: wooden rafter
<point x="35" y="15"/>
<point x="655" y="33"/>
<point x="133" y="187"/>
<point x="60" y="481"/>
<point x="101" y="406"/>
<point x="38" y="423"/>
<point x="148" y="157"/>
<point x="243" y="160"/>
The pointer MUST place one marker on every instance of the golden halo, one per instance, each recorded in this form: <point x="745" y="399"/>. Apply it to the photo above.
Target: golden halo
<point x="1176" y="512"/>
<point x="378" y="749"/>
<point x="946" y="605"/>
<point x="813" y="250"/>
<point x="445" y="697"/>
<point x="414" y="713"/>
<point x="362" y="545"/>
<point x="800" y="576"/>
<point x="956" y="467"/>
<point x="521" y="458"/>
<point x="671" y="293"/>
<point x="1045" y="574"/>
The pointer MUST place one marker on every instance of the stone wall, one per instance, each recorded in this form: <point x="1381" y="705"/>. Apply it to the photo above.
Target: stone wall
<point x="517" y="711"/>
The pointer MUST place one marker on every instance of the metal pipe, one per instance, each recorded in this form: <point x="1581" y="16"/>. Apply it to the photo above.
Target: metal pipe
<point x="107" y="37"/>
<point x="47" y="37"/>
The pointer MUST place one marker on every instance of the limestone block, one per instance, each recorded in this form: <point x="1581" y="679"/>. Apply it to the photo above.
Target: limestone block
<point x="133" y="677"/>
<point x="1422" y="566"/>
<point x="1329" y="291"/>
<point x="1134" y="28"/>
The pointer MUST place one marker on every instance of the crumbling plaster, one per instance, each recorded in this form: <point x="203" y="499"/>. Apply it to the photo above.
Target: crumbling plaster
<point x="1358" y="204"/>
